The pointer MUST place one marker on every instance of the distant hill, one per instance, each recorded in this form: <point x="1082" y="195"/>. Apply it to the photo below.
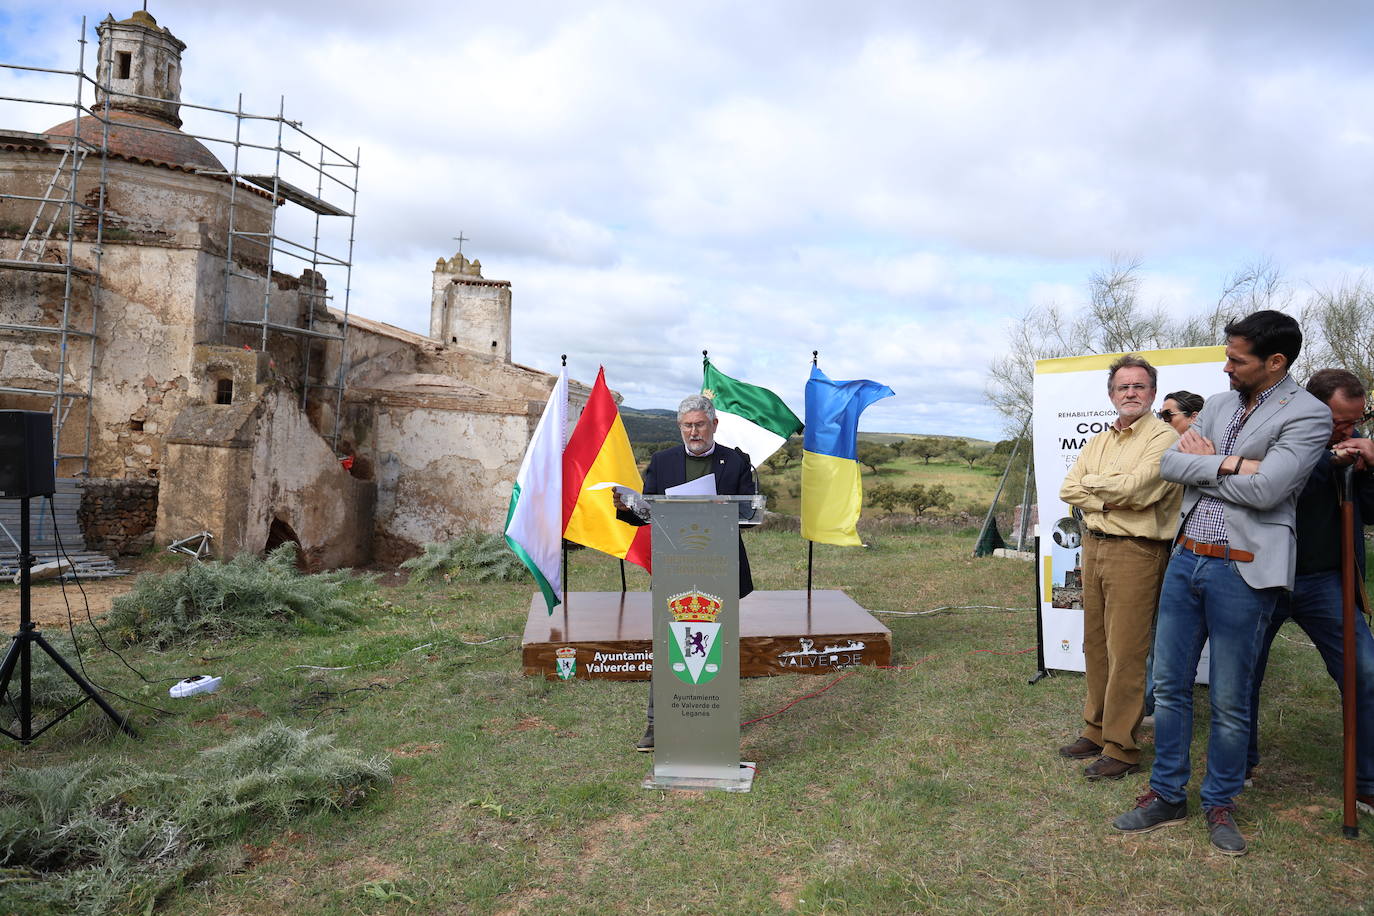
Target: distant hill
<point x="653" y="425"/>
<point x="888" y="438"/>
<point x="660" y="425"/>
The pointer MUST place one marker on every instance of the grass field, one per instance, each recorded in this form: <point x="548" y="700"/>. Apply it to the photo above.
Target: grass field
<point x="931" y="787"/>
<point x="972" y="488"/>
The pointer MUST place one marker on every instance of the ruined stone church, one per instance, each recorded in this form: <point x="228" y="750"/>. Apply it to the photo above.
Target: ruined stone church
<point x="143" y="302"/>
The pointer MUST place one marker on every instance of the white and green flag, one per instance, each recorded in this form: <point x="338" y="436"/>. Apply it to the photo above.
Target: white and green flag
<point x="534" y="524"/>
<point x="752" y="419"/>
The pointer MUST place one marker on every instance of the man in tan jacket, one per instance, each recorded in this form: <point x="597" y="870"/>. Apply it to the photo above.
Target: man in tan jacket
<point x="1129" y="517"/>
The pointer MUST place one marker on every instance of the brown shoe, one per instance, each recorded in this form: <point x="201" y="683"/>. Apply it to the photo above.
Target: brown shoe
<point x="1081" y="749"/>
<point x="1109" y="768"/>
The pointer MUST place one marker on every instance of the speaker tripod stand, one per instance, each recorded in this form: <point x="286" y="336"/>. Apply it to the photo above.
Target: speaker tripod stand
<point x="20" y="656"/>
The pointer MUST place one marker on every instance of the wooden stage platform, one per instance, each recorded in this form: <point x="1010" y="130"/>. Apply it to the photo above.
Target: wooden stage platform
<point x="610" y="635"/>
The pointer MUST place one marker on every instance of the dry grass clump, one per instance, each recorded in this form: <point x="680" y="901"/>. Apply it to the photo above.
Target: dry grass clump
<point x="246" y="596"/>
<point x="474" y="555"/>
<point x="102" y="835"/>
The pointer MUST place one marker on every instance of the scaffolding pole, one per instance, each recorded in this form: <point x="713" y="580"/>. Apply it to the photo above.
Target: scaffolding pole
<point x="66" y="391"/>
<point x="270" y="242"/>
<point x="257" y="170"/>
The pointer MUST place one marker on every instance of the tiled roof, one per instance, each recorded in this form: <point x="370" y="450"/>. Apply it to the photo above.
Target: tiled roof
<point x="143" y="138"/>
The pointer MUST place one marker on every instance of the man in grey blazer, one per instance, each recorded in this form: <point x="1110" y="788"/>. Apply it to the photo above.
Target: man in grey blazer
<point x="1242" y="465"/>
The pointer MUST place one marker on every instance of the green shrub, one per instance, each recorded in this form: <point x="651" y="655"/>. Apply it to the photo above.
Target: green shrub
<point x="101" y="835"/>
<point x="474" y="555"/>
<point x="245" y="596"/>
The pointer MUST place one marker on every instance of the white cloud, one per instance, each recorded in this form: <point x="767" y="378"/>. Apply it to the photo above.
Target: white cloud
<point x="888" y="186"/>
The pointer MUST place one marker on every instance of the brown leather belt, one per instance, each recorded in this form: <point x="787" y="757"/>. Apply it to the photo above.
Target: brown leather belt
<point x="1220" y="551"/>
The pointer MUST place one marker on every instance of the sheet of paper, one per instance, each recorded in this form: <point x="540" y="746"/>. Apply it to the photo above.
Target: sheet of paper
<point x="704" y="485"/>
<point x="607" y="484"/>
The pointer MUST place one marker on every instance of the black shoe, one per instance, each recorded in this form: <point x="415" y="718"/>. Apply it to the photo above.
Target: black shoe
<point x="1150" y="813"/>
<point x="1109" y="768"/>
<point x="1225" y="834"/>
<point x="1081" y="749"/>
<point x="645" y="745"/>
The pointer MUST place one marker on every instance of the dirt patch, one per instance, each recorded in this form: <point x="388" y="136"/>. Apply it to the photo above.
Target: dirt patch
<point x="226" y="722"/>
<point x="1307" y="815"/>
<point x="414" y="750"/>
<point x="370" y="868"/>
<point x="787" y="894"/>
<point x="255" y="855"/>
<point x="49" y="600"/>
<point x="49" y="603"/>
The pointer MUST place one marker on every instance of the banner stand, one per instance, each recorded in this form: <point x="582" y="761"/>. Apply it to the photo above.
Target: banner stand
<point x="1041" y="672"/>
<point x="1071" y="406"/>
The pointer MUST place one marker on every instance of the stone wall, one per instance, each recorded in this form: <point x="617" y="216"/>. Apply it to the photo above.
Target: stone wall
<point x="255" y="472"/>
<point x="118" y="516"/>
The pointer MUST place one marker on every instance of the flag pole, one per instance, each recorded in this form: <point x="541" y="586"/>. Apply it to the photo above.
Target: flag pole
<point x="810" y="545"/>
<point x="623" y="589"/>
<point x="1345" y="480"/>
<point x="810" y="556"/>
<point x="564" y="358"/>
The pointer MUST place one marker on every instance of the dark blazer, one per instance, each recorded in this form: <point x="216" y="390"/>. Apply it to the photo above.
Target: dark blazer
<point x="1318" y="509"/>
<point x="734" y="476"/>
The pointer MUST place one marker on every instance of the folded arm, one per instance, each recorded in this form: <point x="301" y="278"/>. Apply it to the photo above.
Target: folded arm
<point x="1139" y="487"/>
<point x="1281" y="472"/>
<point x="1073" y="492"/>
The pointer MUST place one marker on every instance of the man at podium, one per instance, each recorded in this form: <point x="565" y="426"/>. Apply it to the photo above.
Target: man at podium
<point x="686" y="464"/>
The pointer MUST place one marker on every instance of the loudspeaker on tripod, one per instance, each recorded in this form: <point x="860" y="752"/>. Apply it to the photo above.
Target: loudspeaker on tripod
<point x="26" y="465"/>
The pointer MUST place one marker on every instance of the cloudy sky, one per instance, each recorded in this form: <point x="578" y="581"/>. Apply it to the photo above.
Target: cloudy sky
<point x="888" y="183"/>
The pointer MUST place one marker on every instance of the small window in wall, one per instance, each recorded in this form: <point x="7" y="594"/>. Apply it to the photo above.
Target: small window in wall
<point x="224" y="391"/>
<point x="124" y="62"/>
<point x="136" y="426"/>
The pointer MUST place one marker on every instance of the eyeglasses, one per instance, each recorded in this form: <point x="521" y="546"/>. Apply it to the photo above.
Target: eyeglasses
<point x="1166" y="415"/>
<point x="693" y="427"/>
<point x="1134" y="386"/>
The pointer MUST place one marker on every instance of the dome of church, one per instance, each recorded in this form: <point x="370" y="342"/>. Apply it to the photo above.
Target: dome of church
<point x="130" y="139"/>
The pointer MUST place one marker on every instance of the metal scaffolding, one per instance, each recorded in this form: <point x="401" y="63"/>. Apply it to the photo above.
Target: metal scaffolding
<point x="271" y="157"/>
<point x="328" y="170"/>
<point x="58" y="207"/>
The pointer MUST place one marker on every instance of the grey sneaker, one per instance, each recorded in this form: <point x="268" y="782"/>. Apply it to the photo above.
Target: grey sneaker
<point x="1225" y="834"/>
<point x="645" y="745"/>
<point x="1150" y="813"/>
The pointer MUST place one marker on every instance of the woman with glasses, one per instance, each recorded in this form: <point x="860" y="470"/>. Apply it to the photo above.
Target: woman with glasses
<point x="1180" y="410"/>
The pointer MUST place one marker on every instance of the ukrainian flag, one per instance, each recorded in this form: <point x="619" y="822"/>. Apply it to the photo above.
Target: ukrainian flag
<point x="831" y="494"/>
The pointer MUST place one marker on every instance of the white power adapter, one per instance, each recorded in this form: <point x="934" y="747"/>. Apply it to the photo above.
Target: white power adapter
<point x="201" y="683"/>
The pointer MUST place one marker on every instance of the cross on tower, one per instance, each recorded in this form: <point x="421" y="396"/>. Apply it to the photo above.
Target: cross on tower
<point x="460" y="239"/>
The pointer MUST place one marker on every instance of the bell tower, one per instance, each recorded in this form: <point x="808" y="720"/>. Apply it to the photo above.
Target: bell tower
<point x="468" y="311"/>
<point x="140" y="62"/>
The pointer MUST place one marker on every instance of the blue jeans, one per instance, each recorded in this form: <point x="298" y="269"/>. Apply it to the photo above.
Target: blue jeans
<point x="1205" y="598"/>
<point x="1315" y="605"/>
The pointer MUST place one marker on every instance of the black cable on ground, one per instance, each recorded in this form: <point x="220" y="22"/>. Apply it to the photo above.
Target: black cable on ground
<point x="71" y="627"/>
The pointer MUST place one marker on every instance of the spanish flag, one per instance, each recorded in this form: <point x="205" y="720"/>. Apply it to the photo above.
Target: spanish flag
<point x="599" y="452"/>
<point x="831" y="494"/>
